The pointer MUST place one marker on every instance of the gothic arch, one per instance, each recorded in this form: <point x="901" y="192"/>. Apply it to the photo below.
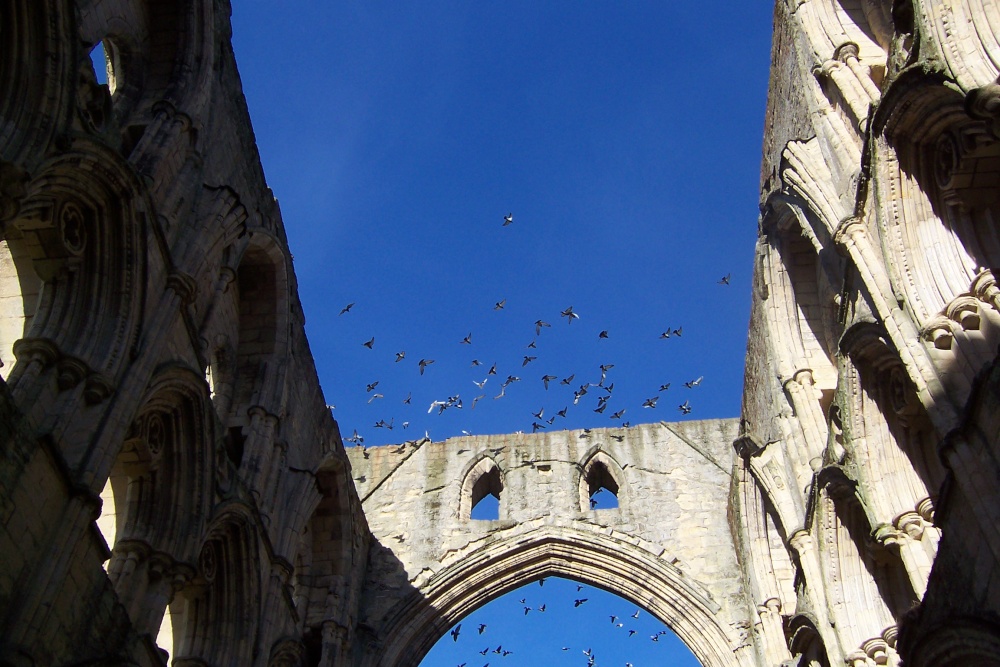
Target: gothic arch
<point x="81" y="230"/>
<point x="589" y="557"/>
<point x="482" y="477"/>
<point x="216" y="615"/>
<point x="162" y="495"/>
<point x="600" y="470"/>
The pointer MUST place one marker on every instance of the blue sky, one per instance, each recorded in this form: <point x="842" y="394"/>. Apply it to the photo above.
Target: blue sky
<point x="624" y="137"/>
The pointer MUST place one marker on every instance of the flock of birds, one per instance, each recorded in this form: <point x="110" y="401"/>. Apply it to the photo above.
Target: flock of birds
<point x="617" y="622"/>
<point x="599" y="387"/>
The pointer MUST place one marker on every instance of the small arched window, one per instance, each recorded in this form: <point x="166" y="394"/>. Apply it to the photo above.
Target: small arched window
<point x="599" y="487"/>
<point x="481" y="491"/>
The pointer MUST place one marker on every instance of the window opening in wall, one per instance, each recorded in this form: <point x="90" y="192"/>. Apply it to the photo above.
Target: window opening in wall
<point x="604" y="629"/>
<point x="99" y="58"/>
<point x="486" y="496"/>
<point x="601" y="487"/>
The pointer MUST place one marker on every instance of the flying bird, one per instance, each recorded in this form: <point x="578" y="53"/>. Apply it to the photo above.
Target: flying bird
<point x="480" y="384"/>
<point x="650" y="402"/>
<point x="476" y="400"/>
<point x="538" y="415"/>
<point x="500" y="304"/>
<point x="424" y="363"/>
<point x="664" y="387"/>
<point x="493" y="370"/>
<point x="578" y="602"/>
<point x="406" y="401"/>
<point x="618" y="415"/>
<point x="694" y="383"/>
<point x="562" y="413"/>
<point x="371" y="386"/>
<point x="725" y="279"/>
<point x="346" y="309"/>
<point x="546" y="379"/>
<point x="538" y="326"/>
<point x="370" y="343"/>
<point x="685" y="408"/>
<point x="374" y="396"/>
<point x="509" y="220"/>
<point x="603" y="334"/>
<point x="569" y="315"/>
<point x="454" y="633"/>
<point x="400" y="355"/>
<point x="467" y="340"/>
<point x="531" y="346"/>
<point x="527" y="360"/>
<point x="476" y="362"/>
<point x="482" y="628"/>
<point x="567" y="380"/>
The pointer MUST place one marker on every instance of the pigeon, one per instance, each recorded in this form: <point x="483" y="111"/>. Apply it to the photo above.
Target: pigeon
<point x="636" y="614"/>
<point x="546" y="379"/>
<point x="650" y="402"/>
<point x="424" y="363"/>
<point x="482" y="628"/>
<point x="509" y="220"/>
<point x="480" y="384"/>
<point x="476" y="362"/>
<point x="476" y="400"/>
<point x="500" y="304"/>
<point x="538" y="415"/>
<point x="374" y="396"/>
<point x="454" y="633"/>
<point x="535" y="426"/>
<point x="664" y="387"/>
<point x="370" y="344"/>
<point x="725" y="279"/>
<point x="538" y="326"/>
<point x="694" y="383"/>
<point x="665" y="334"/>
<point x="569" y="315"/>
<point x="406" y="401"/>
<point x="562" y="413"/>
<point x="493" y="370"/>
<point x="531" y="346"/>
<point x="527" y="360"/>
<point x="685" y="407"/>
<point x="346" y="309"/>
<point x="400" y="355"/>
<point x="467" y="340"/>
<point x="603" y="334"/>
<point x="371" y="386"/>
<point x="567" y="380"/>
<point x="618" y="415"/>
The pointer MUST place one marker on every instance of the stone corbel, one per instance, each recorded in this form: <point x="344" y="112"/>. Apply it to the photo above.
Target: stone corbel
<point x="877" y="650"/>
<point x="848" y="53"/>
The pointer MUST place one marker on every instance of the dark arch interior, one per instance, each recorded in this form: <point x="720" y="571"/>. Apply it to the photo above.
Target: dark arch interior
<point x="601" y="487"/>
<point x="486" y="495"/>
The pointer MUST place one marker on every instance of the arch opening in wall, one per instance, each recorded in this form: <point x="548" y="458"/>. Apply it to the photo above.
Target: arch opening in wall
<point x="261" y="304"/>
<point x="482" y="489"/>
<point x="412" y="627"/>
<point x="599" y="483"/>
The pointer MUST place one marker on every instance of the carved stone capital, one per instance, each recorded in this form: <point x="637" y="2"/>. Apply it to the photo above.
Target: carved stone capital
<point x="41" y="350"/>
<point x="984" y="104"/>
<point x="937" y="330"/>
<point x="964" y="310"/>
<point x="183" y="285"/>
<point x="801" y="541"/>
<point x="846" y="51"/>
<point x="848" y="232"/>
<point x="912" y="524"/>
<point x="70" y="371"/>
<point x="97" y="389"/>
<point x="877" y="649"/>
<point x="925" y="508"/>
<point x="984" y="287"/>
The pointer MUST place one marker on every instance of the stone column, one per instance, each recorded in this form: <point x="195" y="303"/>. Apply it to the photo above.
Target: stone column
<point x="802" y="392"/>
<point x="775" y="646"/>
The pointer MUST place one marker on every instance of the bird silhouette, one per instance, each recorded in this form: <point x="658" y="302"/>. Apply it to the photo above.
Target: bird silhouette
<point x="603" y="334"/>
<point x="685" y="408"/>
<point x="370" y="344"/>
<point x="467" y="340"/>
<point x="546" y="379"/>
<point x="664" y="387"/>
<point x="346" y="309"/>
<point x="509" y="220"/>
<point x="650" y="402"/>
<point x="579" y="601"/>
<point x="538" y="326"/>
<point x="482" y="628"/>
<point x="371" y="386"/>
<point x="424" y="363"/>
<point x="500" y="304"/>
<point x="400" y="355"/>
<point x="569" y="315"/>
<point x="694" y="383"/>
<point x="454" y="633"/>
<point x="725" y="279"/>
<point x="527" y="360"/>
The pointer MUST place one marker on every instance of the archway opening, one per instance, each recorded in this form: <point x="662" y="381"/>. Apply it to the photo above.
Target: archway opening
<point x="486" y="496"/>
<point x="601" y="487"/>
<point x="556" y="621"/>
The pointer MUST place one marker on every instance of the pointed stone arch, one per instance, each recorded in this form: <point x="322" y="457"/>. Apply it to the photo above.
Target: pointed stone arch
<point x="587" y="556"/>
<point x="216" y="615"/>
<point x="599" y="470"/>
<point x="482" y="477"/>
<point x="160" y="490"/>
